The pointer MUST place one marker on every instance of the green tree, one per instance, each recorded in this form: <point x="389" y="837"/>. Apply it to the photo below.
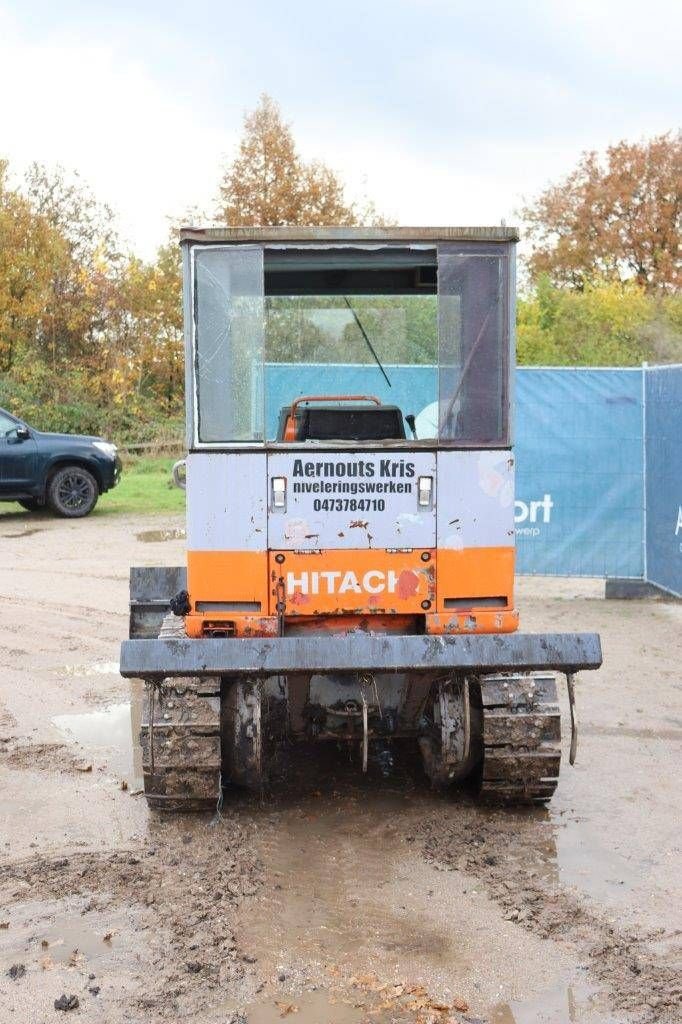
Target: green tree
<point x="605" y="324"/>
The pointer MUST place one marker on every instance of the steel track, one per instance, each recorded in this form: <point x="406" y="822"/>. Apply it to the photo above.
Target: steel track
<point x="180" y="738"/>
<point x="521" y="738"/>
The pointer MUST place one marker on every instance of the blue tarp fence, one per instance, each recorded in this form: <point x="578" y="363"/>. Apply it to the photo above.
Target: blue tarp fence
<point x="602" y="451"/>
<point x="598" y="462"/>
<point x="663" y="477"/>
<point x="580" y="450"/>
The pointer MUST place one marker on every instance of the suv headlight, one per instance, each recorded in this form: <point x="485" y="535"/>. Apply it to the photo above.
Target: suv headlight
<point x="106" y="447"/>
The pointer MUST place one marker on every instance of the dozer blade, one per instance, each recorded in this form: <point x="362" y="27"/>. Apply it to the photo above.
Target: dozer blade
<point x="267" y="656"/>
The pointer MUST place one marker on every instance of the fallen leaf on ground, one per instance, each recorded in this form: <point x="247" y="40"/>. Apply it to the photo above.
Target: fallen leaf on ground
<point x="460" y="1004"/>
<point x="429" y="1017"/>
<point x="365" y="980"/>
<point x="420" y="1003"/>
<point x="286" y="1008"/>
<point x="47" y="963"/>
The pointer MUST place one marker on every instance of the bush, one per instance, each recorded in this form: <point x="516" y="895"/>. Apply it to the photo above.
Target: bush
<point x="610" y="324"/>
<point x="67" y="407"/>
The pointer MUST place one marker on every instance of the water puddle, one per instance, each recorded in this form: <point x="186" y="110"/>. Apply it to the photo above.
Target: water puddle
<point x="114" y="729"/>
<point x="362" y="899"/>
<point x="587" y="863"/>
<point x="562" y="848"/>
<point x="565" y="1004"/>
<point x="107" y="728"/>
<point x="50" y="934"/>
<point x="320" y="1007"/>
<point x="95" y="668"/>
<point x="156" y="536"/>
<point x="69" y="937"/>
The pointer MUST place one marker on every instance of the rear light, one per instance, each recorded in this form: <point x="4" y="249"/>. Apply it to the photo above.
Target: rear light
<point x="218" y="629"/>
<point x="279" y="492"/>
<point x="424" y="490"/>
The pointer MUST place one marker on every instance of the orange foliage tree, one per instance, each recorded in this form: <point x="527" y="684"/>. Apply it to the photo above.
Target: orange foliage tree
<point x="268" y="183"/>
<point x="616" y="218"/>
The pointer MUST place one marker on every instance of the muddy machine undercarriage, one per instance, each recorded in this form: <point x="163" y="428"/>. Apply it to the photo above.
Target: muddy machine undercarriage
<point x="350" y="520"/>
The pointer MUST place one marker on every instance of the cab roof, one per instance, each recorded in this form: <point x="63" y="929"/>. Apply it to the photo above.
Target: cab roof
<point x="284" y="234"/>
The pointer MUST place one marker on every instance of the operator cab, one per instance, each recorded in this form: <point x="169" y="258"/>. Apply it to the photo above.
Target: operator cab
<point x="340" y="418"/>
<point x="418" y="319"/>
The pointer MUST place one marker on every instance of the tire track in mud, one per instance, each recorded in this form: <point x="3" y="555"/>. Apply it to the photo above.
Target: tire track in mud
<point x="55" y="615"/>
<point x="7" y="722"/>
<point x="326" y="921"/>
<point x="501" y="851"/>
<point x="347" y="897"/>
<point x="330" y="867"/>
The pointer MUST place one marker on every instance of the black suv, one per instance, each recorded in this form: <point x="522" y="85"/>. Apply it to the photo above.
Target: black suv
<point x="66" y="472"/>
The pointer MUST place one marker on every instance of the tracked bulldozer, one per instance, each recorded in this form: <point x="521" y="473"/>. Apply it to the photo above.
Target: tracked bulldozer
<point x="350" y="520"/>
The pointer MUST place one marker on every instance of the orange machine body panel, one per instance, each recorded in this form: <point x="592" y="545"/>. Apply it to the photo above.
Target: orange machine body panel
<point x="251" y="592"/>
<point x="229" y="587"/>
<point x="355" y="581"/>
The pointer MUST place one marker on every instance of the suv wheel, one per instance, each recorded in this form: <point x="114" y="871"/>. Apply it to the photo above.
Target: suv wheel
<point x="72" y="492"/>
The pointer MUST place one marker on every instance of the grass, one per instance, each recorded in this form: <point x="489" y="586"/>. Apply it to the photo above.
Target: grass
<point x="145" y="487"/>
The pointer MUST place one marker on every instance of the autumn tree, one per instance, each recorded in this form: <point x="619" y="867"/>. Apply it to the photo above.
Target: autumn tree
<point x="269" y="183"/>
<point x="613" y="219"/>
<point x="28" y="249"/>
<point x="90" y="339"/>
<point x="84" y="270"/>
<point x="151" y="362"/>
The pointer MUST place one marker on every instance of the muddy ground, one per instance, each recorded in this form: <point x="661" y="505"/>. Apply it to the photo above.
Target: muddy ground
<point x="338" y="899"/>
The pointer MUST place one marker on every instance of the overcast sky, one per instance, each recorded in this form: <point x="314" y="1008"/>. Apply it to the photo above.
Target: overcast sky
<point x="442" y="112"/>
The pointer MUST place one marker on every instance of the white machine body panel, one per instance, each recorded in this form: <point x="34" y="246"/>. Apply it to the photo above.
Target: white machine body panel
<point x="336" y="500"/>
<point x="475" y="499"/>
<point x="226" y="501"/>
